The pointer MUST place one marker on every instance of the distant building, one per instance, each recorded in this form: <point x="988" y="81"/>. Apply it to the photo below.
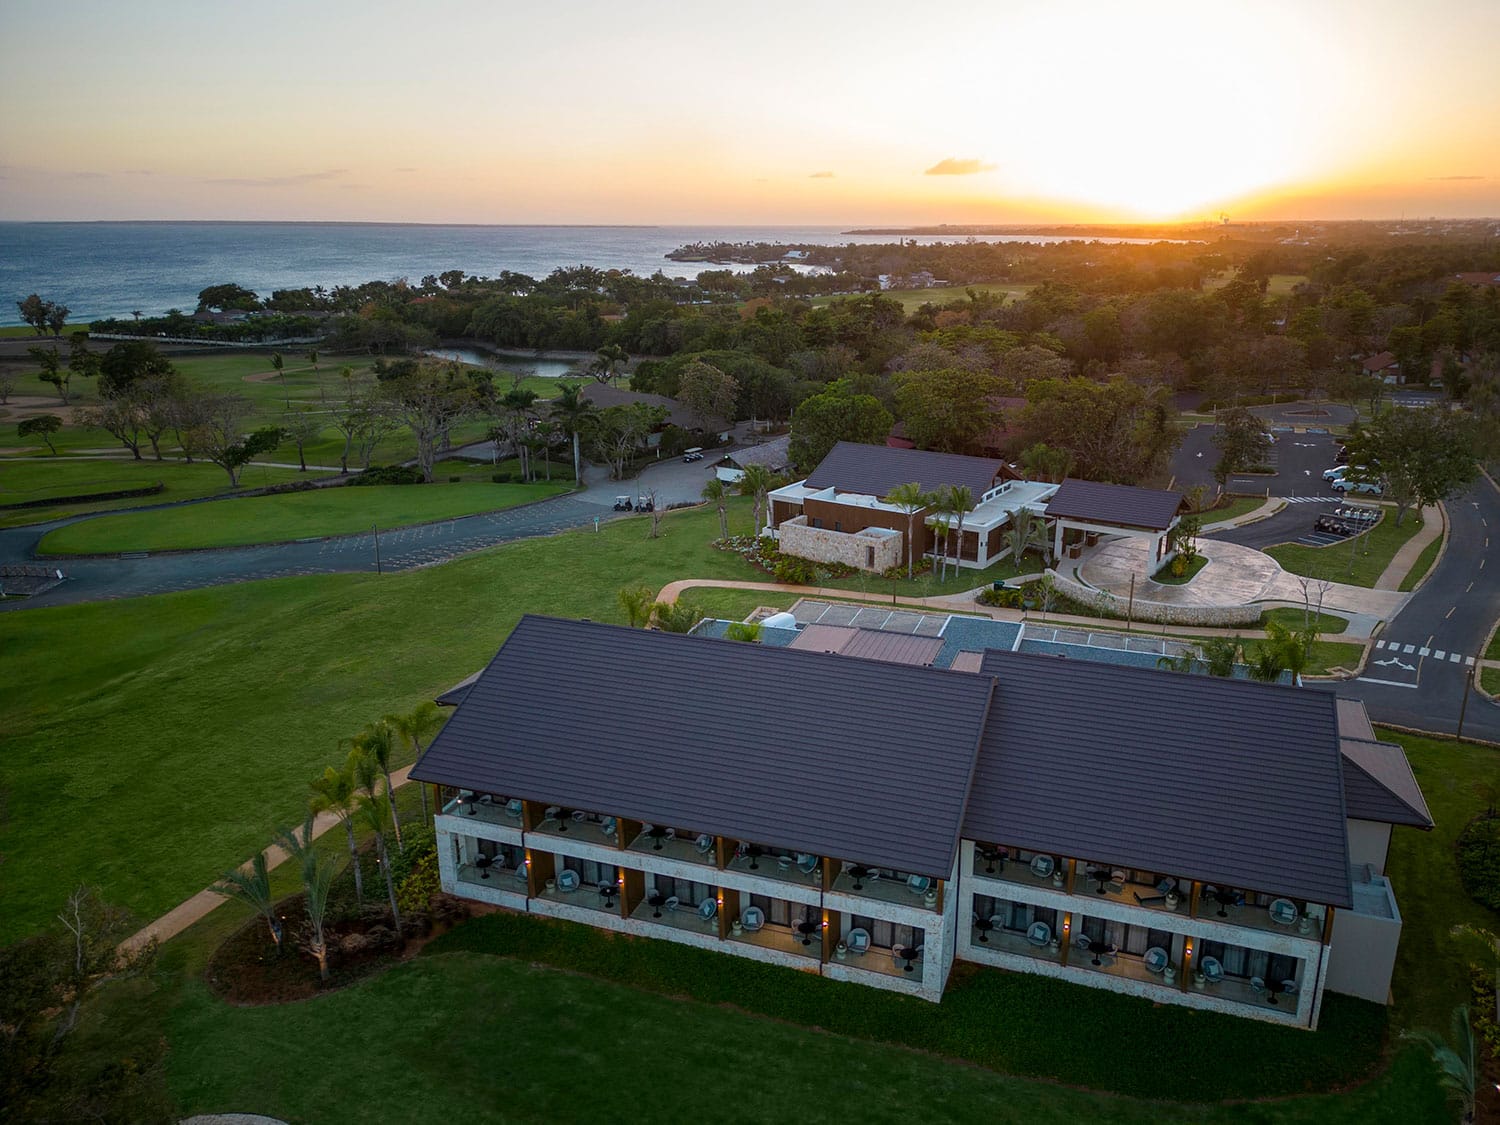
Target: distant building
<point x="1383" y="365"/>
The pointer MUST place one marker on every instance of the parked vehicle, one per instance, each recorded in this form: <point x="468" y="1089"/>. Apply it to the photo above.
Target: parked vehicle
<point x="1342" y="456"/>
<point x="694" y="454"/>
<point x="1369" y="486"/>
<point x="623" y="504"/>
<point x="1335" y="472"/>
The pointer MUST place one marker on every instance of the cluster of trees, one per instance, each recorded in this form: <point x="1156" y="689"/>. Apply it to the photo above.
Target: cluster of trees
<point x="642" y="609"/>
<point x="42" y="315"/>
<point x="1283" y="650"/>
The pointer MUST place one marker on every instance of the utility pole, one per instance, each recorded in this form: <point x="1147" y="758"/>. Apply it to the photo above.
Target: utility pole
<point x="1464" y="706"/>
<point x="375" y="529"/>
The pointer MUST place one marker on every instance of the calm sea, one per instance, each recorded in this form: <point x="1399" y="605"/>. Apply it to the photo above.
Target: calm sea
<point x="113" y="269"/>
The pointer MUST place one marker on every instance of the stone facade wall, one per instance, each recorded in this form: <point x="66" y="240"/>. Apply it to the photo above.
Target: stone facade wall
<point x="822" y="545"/>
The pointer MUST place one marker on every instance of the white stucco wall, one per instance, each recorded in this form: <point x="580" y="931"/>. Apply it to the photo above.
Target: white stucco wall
<point x="1362" y="955"/>
<point x="1369" y="842"/>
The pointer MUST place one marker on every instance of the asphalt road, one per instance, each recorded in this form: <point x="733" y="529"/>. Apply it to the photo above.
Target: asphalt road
<point x="1298" y="458"/>
<point x="1413" y="679"/>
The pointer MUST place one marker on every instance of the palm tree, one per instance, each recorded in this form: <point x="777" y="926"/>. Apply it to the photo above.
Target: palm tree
<point x="416" y="727"/>
<point x="1220" y="654"/>
<point x="317" y="881"/>
<point x="1457" y="1067"/>
<point x="254" y="887"/>
<point x="676" y="617"/>
<point x="910" y="499"/>
<point x="607" y="361"/>
<point x="757" y="482"/>
<point x="960" y="504"/>
<point x="372" y="810"/>
<point x="637" y="602"/>
<point x="378" y="744"/>
<point x="334" y="792"/>
<point x="1027" y="533"/>
<point x="517" y="403"/>
<point x="312" y="358"/>
<point x="937" y="523"/>
<point x="715" y="493"/>
<point x="277" y="362"/>
<point x="571" y="410"/>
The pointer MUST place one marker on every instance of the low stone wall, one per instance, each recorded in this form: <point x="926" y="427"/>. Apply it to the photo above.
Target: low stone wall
<point x="852" y="549"/>
<point x="1107" y="603"/>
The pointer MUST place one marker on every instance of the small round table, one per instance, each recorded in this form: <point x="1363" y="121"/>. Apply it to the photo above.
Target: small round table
<point x="984" y="926"/>
<point x="483" y="863"/>
<point x="807" y="928"/>
<point x="908" y="954"/>
<point x="655" y="901"/>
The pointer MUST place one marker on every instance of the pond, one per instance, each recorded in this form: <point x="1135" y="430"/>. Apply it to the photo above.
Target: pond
<point x="545" y="366"/>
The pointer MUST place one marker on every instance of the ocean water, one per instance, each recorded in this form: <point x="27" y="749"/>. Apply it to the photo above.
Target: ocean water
<point x="114" y="269"/>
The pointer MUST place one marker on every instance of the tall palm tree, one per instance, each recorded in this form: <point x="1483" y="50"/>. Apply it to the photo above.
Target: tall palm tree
<point x="1458" y="1070"/>
<point x="372" y="812"/>
<point x="910" y="499"/>
<point x="517" y="402"/>
<point x="254" y="888"/>
<point x="757" y="482"/>
<point x="607" y="362"/>
<point x="333" y="792"/>
<point x="937" y="523"/>
<point x="1027" y="533"/>
<point x="416" y="727"/>
<point x="638" y="603"/>
<point x="317" y="881"/>
<point x="571" y="410"/>
<point x="960" y="504"/>
<point x="715" y="493"/>
<point x="378" y="743"/>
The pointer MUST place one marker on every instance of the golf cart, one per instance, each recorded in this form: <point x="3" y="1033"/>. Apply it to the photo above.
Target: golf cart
<point x="623" y="504"/>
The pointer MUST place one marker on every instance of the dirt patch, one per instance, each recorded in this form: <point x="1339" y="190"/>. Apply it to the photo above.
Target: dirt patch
<point x="247" y="971"/>
<point x="29" y="406"/>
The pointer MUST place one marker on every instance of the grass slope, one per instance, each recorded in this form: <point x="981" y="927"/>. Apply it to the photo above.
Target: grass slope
<point x="152" y="742"/>
<point x="1371" y="552"/>
<point x="296" y="515"/>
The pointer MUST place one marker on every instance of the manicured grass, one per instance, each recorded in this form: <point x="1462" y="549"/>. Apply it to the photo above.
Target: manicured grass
<point x="1167" y="578"/>
<point x="1489" y="679"/>
<point x="179" y="728"/>
<point x="295" y="515"/>
<point x="1423" y="564"/>
<point x="1327" y="655"/>
<point x="1325" y="623"/>
<point x="562" y="469"/>
<point x="1237" y="506"/>
<point x="1493" y="651"/>
<point x="925" y="585"/>
<point x="23" y="479"/>
<point x="735" y="605"/>
<point x="1371" y="552"/>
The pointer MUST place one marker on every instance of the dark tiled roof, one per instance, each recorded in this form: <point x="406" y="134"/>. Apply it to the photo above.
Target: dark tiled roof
<point x="873" y="470"/>
<point x="858" y="759"/>
<point x="605" y="395"/>
<point x="1123" y="504"/>
<point x="1379" y="785"/>
<point x="456" y="694"/>
<point x="870" y="644"/>
<point x="1233" y="783"/>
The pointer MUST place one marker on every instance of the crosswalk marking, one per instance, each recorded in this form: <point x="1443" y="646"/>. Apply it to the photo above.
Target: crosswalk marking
<point x="1407" y="649"/>
<point x="1422" y="652"/>
<point x="1311" y="499"/>
<point x="1380" y="644"/>
<point x="1438" y="655"/>
<point x="1469" y="663"/>
<point x="1454" y="657"/>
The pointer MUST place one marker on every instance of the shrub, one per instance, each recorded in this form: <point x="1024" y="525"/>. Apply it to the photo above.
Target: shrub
<point x="418" y="842"/>
<point x="1478" y="854"/>
<point x="416" y="890"/>
<point x="388" y="474"/>
<point x="454" y="480"/>
<point x="500" y="478"/>
<point x="1006" y="597"/>
<point x="794" y="571"/>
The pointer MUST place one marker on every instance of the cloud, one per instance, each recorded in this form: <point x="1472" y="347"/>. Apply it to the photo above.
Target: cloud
<point x="1458" y="177"/>
<point x="953" y="166"/>
<point x="821" y="176"/>
<point x="279" y="181"/>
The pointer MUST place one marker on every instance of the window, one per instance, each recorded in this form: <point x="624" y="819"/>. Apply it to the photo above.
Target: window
<point x="816" y="522"/>
<point x="687" y="892"/>
<point x="886" y="935"/>
<point x="838" y="525"/>
<point x="590" y="874"/>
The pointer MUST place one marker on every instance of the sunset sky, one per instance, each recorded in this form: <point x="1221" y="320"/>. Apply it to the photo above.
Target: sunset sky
<point x="749" y="113"/>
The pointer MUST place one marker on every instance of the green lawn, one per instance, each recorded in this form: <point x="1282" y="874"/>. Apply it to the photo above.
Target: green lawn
<point x="913" y="299"/>
<point x="23" y="479"/>
<point x="286" y="516"/>
<point x="1326" y="623"/>
<point x="1489" y="679"/>
<point x="1167" y="578"/>
<point x="1370" y="552"/>
<point x="1237" y="506"/>
<point x="1423" y="564"/>
<point x="218" y="704"/>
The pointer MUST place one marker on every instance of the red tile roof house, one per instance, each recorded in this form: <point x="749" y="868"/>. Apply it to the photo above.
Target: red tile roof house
<point x="1036" y="815"/>
<point x="838" y="512"/>
<point x="1383" y="365"/>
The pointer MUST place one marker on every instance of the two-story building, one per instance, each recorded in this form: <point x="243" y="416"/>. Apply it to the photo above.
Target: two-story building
<point x="873" y="819"/>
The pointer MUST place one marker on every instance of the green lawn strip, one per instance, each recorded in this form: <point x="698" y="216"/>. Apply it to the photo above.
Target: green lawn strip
<point x="1107" y="1043"/>
<point x="562" y="468"/>
<point x="202" y="714"/>
<point x="24" y="479"/>
<point x="735" y="605"/>
<point x="1489" y="679"/>
<point x="1423" y="564"/>
<point x="1295" y="619"/>
<point x="1167" y="578"/>
<point x="292" y="515"/>
<point x="1371" y="552"/>
<point x="1493" y="651"/>
<point x="1431" y="976"/>
<point x="1238" y="506"/>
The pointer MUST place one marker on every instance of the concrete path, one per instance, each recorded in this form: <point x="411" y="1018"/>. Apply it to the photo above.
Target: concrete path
<point x="185" y="914"/>
<point x="1434" y="525"/>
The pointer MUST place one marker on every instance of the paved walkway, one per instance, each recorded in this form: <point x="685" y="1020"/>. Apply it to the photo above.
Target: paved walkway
<point x="1434" y="524"/>
<point x="185" y="914"/>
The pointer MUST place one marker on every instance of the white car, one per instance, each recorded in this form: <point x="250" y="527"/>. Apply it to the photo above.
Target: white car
<point x="1334" y="473"/>
<point x="1370" y="486"/>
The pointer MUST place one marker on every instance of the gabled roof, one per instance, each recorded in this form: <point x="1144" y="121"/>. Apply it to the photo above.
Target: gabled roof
<point x="772" y="454"/>
<point x="1379" y="784"/>
<point x="1234" y="783"/>
<point x="859" y="759"/>
<point x="1123" y="504"/>
<point x="1380" y="361"/>
<point x="604" y="395"/>
<point x="873" y="470"/>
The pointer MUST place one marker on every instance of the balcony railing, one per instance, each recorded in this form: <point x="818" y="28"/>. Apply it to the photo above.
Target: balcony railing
<point x="486" y="809"/>
<point x="865" y="882"/>
<point x="696" y="848"/>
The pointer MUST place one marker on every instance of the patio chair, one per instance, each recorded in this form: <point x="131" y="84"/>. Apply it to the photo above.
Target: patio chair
<point x="673" y="902"/>
<point x="609" y="826"/>
<point x="567" y="880"/>
<point x="521" y="873"/>
<point x="704" y="843"/>
<point x="1283" y="911"/>
<point x="553" y="812"/>
<point x="806" y="864"/>
<point x="784" y="862"/>
<point x="1156" y="959"/>
<point x="1289" y="987"/>
<point x="1039" y="934"/>
<point x="858" y="941"/>
<point x="514" y="809"/>
<point x="1258" y="985"/>
<point x="918" y="884"/>
<point x="752" y="919"/>
<point x="579" y="816"/>
<point x="1042" y="866"/>
<point x="1212" y="971"/>
<point x="707" y="909"/>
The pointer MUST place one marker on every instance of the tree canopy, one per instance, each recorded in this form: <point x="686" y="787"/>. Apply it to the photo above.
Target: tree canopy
<point x="838" y="414"/>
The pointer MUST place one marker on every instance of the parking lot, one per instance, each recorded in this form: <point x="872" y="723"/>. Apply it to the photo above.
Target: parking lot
<point x="1297" y="458"/>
